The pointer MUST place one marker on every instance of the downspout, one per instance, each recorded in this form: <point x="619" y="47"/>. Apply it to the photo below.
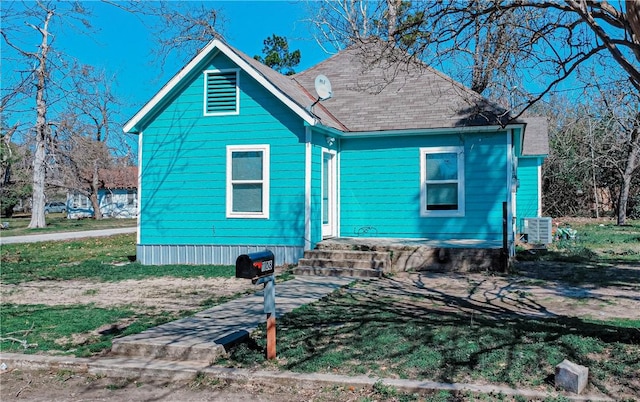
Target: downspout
<point x="510" y="196"/>
<point x="139" y="195"/>
<point x="307" y="187"/>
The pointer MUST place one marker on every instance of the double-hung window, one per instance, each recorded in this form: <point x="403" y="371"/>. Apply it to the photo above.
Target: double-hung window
<point x="442" y="181"/>
<point x="248" y="181"/>
<point x="221" y="92"/>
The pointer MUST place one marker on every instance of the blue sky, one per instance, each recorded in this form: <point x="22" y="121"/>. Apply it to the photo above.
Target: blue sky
<point x="123" y="44"/>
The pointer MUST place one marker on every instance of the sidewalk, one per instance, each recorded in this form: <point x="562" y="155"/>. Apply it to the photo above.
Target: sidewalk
<point x="138" y="369"/>
<point x="65" y="235"/>
<point x="205" y="335"/>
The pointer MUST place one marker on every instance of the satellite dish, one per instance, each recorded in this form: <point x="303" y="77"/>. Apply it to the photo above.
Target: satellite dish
<point x="323" y="87"/>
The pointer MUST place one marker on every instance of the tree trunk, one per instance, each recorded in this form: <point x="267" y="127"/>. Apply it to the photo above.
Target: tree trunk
<point x="392" y="16"/>
<point x="95" y="185"/>
<point x="593" y="170"/>
<point x="38" y="198"/>
<point x="95" y="203"/>
<point x="633" y="162"/>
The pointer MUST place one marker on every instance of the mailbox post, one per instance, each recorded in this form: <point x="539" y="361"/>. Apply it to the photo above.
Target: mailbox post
<point x="260" y="268"/>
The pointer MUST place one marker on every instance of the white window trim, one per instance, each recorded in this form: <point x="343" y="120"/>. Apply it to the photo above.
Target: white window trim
<point x="459" y="150"/>
<point x="204" y="92"/>
<point x="264" y="148"/>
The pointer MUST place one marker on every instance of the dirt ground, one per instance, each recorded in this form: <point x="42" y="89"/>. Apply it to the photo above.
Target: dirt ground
<point x="166" y="294"/>
<point x="46" y="386"/>
<point x="540" y="289"/>
<point x="537" y="291"/>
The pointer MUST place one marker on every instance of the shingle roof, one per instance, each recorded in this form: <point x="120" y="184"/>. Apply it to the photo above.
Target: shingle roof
<point x="367" y="96"/>
<point x="536" y="136"/>
<point x="121" y="177"/>
<point x="395" y="96"/>
<point x="290" y="88"/>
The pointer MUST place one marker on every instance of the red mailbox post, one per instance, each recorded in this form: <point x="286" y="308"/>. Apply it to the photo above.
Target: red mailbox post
<point x="260" y="268"/>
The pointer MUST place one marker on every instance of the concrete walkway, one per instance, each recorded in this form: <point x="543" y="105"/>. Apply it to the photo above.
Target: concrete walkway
<point x="65" y="235"/>
<point x="204" y="336"/>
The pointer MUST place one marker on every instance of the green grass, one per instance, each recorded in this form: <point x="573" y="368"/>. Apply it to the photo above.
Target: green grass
<point x="595" y="242"/>
<point x="357" y="331"/>
<point x="59" y="223"/>
<point x="357" y="334"/>
<point x="53" y="328"/>
<point x="66" y="329"/>
<point x="100" y="258"/>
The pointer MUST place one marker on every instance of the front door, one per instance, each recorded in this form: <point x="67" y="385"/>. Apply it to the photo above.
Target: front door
<point x="329" y="196"/>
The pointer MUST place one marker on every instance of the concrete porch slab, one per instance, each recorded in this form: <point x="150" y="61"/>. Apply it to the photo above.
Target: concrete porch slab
<point x="379" y="242"/>
<point x="451" y="255"/>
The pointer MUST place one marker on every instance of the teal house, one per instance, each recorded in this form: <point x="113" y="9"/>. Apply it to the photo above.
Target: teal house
<point x="235" y="157"/>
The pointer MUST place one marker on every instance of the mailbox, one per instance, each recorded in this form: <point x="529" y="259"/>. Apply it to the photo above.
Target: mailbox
<point x="255" y="265"/>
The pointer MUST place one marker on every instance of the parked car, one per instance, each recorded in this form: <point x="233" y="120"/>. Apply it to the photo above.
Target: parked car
<point x="55" y="207"/>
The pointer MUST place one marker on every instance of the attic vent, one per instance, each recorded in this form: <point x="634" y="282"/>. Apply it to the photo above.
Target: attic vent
<point x="221" y="92"/>
<point x="538" y="230"/>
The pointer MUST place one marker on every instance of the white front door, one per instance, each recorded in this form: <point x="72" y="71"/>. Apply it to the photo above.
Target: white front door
<point x="329" y="194"/>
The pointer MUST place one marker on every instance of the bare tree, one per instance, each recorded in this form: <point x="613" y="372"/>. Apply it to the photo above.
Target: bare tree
<point x="515" y="52"/>
<point x="501" y="43"/>
<point x="82" y="160"/>
<point x="180" y="29"/>
<point x="621" y="108"/>
<point x="595" y="152"/>
<point x="13" y="186"/>
<point x="38" y="74"/>
<point x="85" y="140"/>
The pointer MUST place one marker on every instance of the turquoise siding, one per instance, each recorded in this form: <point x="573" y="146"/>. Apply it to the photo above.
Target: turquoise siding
<point x="517" y="141"/>
<point x="183" y="191"/>
<point x="319" y="144"/>
<point x="527" y="196"/>
<point x="380" y="187"/>
<point x="316" y="190"/>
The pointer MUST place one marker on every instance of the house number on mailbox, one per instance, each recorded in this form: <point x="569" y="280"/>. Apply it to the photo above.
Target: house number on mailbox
<point x="264" y="266"/>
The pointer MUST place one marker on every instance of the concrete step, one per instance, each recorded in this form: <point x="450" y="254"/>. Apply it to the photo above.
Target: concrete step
<point x="338" y="271"/>
<point x="359" y="264"/>
<point x="181" y="348"/>
<point x="342" y="263"/>
<point x="346" y="254"/>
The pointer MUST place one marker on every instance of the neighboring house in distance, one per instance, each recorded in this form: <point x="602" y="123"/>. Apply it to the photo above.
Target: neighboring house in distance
<point x="118" y="195"/>
<point x="236" y="157"/>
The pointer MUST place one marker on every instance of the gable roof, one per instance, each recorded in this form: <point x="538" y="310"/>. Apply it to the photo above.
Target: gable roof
<point x="272" y="81"/>
<point x="367" y="97"/>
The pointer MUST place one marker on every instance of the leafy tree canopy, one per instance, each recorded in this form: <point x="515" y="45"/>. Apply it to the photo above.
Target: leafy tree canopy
<point x="277" y="56"/>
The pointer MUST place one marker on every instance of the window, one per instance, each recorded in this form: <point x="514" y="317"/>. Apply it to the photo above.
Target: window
<point x="248" y="181"/>
<point x="80" y="201"/>
<point x="442" y="181"/>
<point x="131" y="197"/>
<point x="221" y="92"/>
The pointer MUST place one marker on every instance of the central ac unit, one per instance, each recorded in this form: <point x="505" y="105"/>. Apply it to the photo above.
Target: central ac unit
<point x="538" y="230"/>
